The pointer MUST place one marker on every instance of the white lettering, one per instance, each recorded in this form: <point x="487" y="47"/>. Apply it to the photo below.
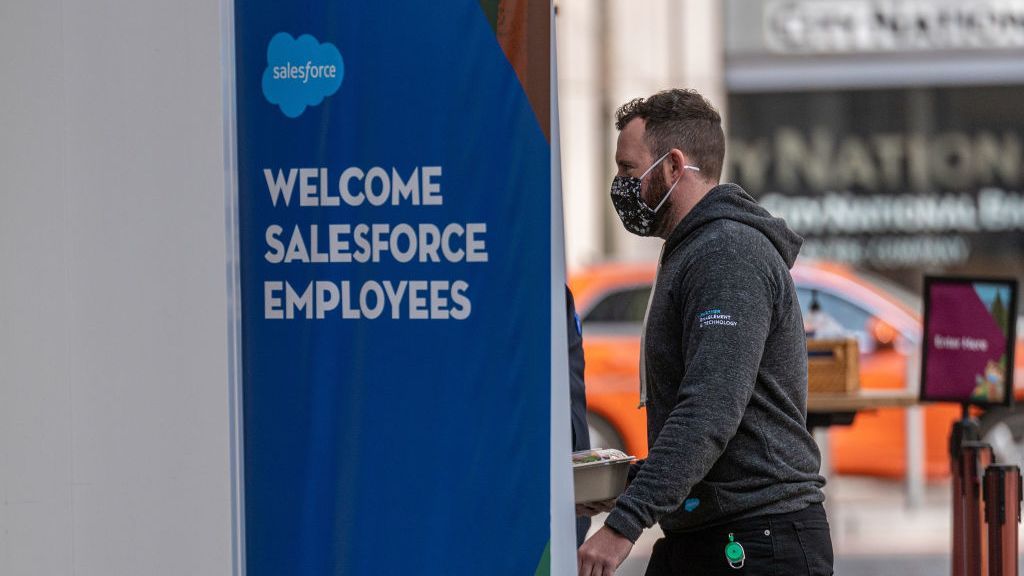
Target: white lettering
<point x="296" y="247"/>
<point x="378" y="300"/>
<point x="417" y="304"/>
<point x="476" y="250"/>
<point x="279" y="187"/>
<point x="409" y="189"/>
<point x="327" y="298"/>
<point x="307" y="189"/>
<point x="294" y="301"/>
<point x="465" y="306"/>
<point x="271" y="301"/>
<point x="347" y="311"/>
<point x="395" y="297"/>
<point x="946" y="342"/>
<point x="377" y="174"/>
<point x="276" y="252"/>
<point x="431" y="189"/>
<point x="341" y="243"/>
<point x="438" y="302"/>
<point x="343" y="183"/>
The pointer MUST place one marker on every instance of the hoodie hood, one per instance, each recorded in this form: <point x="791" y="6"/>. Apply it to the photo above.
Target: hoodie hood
<point x="730" y="202"/>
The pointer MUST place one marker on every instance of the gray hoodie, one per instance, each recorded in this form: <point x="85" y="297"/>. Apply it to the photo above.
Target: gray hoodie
<point x="726" y="365"/>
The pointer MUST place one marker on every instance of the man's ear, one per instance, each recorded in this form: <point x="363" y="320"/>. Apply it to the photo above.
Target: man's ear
<point x="676" y="160"/>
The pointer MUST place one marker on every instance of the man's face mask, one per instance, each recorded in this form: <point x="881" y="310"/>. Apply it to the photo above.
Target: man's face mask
<point x="637" y="217"/>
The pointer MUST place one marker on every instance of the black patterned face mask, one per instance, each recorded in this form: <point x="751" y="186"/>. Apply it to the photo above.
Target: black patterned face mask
<point x="637" y="217"/>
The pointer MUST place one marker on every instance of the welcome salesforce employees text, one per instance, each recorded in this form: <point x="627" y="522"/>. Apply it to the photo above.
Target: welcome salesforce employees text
<point x="336" y="243"/>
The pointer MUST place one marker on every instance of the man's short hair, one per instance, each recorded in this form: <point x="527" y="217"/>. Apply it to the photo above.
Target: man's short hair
<point x="680" y="119"/>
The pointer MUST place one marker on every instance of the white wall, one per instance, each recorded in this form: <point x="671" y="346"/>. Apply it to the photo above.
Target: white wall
<point x="645" y="46"/>
<point x="582" y="125"/>
<point x="114" y="428"/>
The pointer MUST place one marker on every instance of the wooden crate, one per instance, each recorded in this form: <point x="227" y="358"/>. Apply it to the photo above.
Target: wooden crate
<point x="833" y="366"/>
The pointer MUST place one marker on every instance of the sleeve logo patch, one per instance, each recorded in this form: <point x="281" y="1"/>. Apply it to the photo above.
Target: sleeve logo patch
<point x="715" y="317"/>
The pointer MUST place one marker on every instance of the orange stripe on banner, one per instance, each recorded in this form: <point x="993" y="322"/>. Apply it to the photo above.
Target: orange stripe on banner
<point x="524" y="33"/>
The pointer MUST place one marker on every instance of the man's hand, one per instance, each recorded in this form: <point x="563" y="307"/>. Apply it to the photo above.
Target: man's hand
<point x="595" y="508"/>
<point x="602" y="554"/>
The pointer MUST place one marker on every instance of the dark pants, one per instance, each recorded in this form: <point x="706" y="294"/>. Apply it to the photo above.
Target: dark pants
<point x="795" y="544"/>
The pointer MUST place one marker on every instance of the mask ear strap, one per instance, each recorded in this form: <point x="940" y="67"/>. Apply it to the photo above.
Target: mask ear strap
<point x="656" y="162"/>
<point x="669" y="193"/>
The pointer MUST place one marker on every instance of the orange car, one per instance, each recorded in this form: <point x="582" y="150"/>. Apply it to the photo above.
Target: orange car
<point x="611" y="300"/>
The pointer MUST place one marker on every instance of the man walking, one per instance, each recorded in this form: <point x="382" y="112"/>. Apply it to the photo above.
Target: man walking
<point x="732" y="472"/>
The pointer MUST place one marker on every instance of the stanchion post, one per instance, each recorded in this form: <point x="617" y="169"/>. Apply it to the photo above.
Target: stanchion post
<point x="966" y="430"/>
<point x="975" y="457"/>
<point x="1003" y="494"/>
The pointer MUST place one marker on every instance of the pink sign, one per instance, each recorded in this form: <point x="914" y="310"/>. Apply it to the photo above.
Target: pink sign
<point x="968" y="336"/>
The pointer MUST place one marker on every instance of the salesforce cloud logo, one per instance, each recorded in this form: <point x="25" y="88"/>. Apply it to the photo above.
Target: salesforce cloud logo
<point x="300" y="72"/>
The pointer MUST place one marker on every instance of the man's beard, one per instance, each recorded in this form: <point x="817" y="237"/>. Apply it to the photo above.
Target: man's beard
<point x="658" y="188"/>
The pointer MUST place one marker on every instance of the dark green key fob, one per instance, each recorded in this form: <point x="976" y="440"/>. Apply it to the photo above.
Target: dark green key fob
<point x="734" y="553"/>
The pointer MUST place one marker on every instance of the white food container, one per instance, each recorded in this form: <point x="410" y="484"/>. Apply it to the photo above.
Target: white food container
<point x="599" y="474"/>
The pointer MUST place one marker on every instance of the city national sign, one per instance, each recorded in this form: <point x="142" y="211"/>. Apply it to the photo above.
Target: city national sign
<point x="855" y="26"/>
<point x="901" y="181"/>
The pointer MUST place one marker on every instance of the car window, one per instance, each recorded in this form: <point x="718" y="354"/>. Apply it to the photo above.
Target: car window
<point x="851" y="317"/>
<point x="620" y="307"/>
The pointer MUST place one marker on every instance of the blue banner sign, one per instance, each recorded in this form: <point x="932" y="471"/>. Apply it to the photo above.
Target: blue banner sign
<point x="394" y="194"/>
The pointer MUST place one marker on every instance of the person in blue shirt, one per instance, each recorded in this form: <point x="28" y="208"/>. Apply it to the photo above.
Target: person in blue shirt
<point x="577" y="394"/>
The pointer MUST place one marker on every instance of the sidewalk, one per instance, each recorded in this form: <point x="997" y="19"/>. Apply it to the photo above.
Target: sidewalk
<point x="870" y="517"/>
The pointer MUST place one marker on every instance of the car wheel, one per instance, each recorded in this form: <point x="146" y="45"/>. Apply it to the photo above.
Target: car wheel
<point x="1003" y="429"/>
<point x="602" y="433"/>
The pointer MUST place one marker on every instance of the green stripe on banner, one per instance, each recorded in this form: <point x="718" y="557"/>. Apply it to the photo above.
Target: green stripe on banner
<point x="544" y="568"/>
<point x="490" y="8"/>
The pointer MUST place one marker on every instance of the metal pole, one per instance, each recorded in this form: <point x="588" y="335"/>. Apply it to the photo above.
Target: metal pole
<point x="966" y="430"/>
<point x="914" y="481"/>
<point x="1002" y="491"/>
<point x="605" y="48"/>
<point x="974" y="458"/>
